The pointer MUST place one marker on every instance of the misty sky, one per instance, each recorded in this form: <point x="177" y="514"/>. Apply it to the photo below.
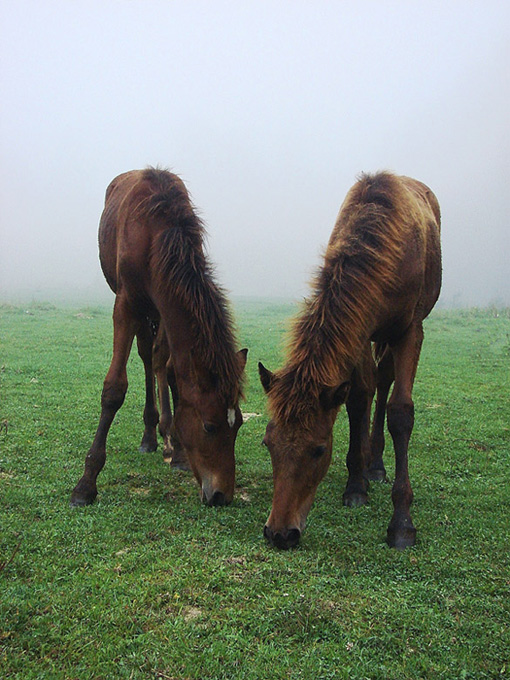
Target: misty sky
<point x="268" y="110"/>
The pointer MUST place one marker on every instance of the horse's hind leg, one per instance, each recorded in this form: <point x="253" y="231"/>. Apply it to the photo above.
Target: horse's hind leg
<point x="358" y="410"/>
<point x="178" y="452"/>
<point x="145" y="339"/>
<point x="165" y="375"/>
<point x="160" y="358"/>
<point x="112" y="398"/>
<point x="401" y="531"/>
<point x="385" y="376"/>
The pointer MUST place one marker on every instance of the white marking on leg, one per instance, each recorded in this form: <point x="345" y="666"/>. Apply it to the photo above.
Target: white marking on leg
<point x="231" y="417"/>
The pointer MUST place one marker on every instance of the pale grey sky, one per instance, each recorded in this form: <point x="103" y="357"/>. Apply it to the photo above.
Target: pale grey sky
<point x="268" y="110"/>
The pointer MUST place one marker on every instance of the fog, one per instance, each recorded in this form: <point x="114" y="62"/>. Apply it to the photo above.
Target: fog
<point x="268" y="110"/>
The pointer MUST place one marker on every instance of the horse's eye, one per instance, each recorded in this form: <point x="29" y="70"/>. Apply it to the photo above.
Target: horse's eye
<point x="318" y="451"/>
<point x="210" y="428"/>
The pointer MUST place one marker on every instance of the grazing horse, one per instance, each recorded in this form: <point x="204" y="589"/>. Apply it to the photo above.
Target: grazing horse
<point x="380" y="278"/>
<point x="152" y="256"/>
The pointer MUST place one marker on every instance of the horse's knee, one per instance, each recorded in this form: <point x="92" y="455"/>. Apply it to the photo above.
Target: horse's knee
<point x="400" y="419"/>
<point x="150" y="416"/>
<point x="112" y="396"/>
<point x="357" y="406"/>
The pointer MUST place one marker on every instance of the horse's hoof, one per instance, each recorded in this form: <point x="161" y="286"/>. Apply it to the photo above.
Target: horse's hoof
<point x="355" y="500"/>
<point x="177" y="457"/>
<point x="180" y="464"/>
<point x="376" y="475"/>
<point x="84" y="493"/>
<point x="80" y="500"/>
<point x="401" y="538"/>
<point x="147" y="448"/>
<point x="149" y="443"/>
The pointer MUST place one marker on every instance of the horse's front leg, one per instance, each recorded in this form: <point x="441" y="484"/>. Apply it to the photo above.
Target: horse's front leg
<point x="406" y="353"/>
<point x="112" y="398"/>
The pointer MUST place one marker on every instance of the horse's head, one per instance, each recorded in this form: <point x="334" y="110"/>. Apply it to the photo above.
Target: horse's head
<point x="300" y="456"/>
<point x="207" y="426"/>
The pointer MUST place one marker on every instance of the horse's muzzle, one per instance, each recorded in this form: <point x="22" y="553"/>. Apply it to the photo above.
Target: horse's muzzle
<point x="285" y="539"/>
<point x="217" y="499"/>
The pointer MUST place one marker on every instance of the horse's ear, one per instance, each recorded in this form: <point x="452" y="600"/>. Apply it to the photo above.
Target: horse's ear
<point x="242" y="355"/>
<point x="334" y="397"/>
<point x="266" y="377"/>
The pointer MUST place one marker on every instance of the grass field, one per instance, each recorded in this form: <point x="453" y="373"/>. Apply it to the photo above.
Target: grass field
<point x="148" y="583"/>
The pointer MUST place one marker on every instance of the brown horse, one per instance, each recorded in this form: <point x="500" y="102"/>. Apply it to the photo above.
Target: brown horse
<point x="151" y="253"/>
<point x="380" y="278"/>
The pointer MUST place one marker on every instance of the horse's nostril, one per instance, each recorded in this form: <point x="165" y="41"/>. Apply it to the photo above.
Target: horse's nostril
<point x="288" y="538"/>
<point x="293" y="537"/>
<point x="218" y="498"/>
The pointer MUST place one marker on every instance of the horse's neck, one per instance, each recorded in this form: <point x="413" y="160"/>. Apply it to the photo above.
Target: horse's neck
<point x="181" y="332"/>
<point x="330" y="353"/>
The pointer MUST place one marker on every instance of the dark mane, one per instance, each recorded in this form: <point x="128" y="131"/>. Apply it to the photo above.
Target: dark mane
<point x="360" y="268"/>
<point x="185" y="273"/>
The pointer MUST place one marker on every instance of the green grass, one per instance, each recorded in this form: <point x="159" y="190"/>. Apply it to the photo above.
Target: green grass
<point x="148" y="583"/>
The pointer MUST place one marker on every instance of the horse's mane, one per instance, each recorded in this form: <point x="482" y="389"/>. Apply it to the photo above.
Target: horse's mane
<point x="184" y="272"/>
<point x="360" y="268"/>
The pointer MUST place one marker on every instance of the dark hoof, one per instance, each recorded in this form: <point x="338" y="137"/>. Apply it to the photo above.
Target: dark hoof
<point x="376" y="475"/>
<point x="283" y="540"/>
<point x="147" y="447"/>
<point x="355" y="500"/>
<point x="176" y="455"/>
<point x="180" y="464"/>
<point x="80" y="500"/>
<point x="84" y="493"/>
<point x="401" y="538"/>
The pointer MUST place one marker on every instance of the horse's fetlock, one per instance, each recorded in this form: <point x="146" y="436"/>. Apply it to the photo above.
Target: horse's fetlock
<point x="164" y="425"/>
<point x="150" y="416"/>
